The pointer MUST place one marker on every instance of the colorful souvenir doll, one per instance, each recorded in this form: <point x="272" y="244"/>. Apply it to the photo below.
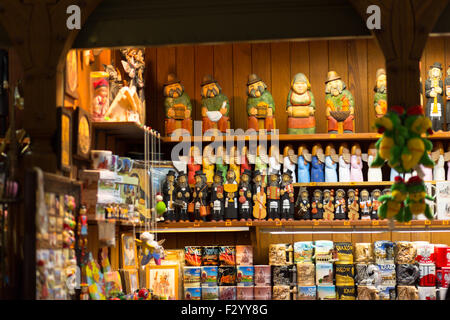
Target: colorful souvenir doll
<point x="208" y="163"/>
<point x="373" y="174"/>
<point x="344" y="163"/>
<point x="245" y="196"/>
<point x="289" y="161"/>
<point x="275" y="159"/>
<point x="340" y="208"/>
<point x="245" y="164"/>
<point x="215" y="106"/>
<point x="328" y="204"/>
<point x="303" y="164"/>
<point x="168" y="189"/>
<point x="317" y="205"/>
<point x="356" y="164"/>
<point x="434" y="91"/>
<point x="331" y="159"/>
<point x="217" y="197"/>
<point x="447" y="96"/>
<point x="183" y="196"/>
<point x="273" y="196"/>
<point x="301" y="106"/>
<point x="261" y="162"/>
<point x="287" y="196"/>
<point x="317" y="164"/>
<point x="231" y="196"/>
<point x="220" y="161"/>
<point x="194" y="164"/>
<point x="380" y="97"/>
<point x="352" y="204"/>
<point x="365" y="205"/>
<point x="260" y="105"/>
<point x="259" y="196"/>
<point x="178" y="106"/>
<point x="438" y="158"/>
<point x="100" y="102"/>
<point x="340" y="106"/>
<point x="200" y="196"/>
<point x="375" y="204"/>
<point x="303" y="205"/>
<point x="234" y="163"/>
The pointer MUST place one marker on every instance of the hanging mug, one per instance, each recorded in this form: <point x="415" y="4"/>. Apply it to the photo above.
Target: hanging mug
<point x="125" y="164"/>
<point x="101" y="159"/>
<point x="115" y="166"/>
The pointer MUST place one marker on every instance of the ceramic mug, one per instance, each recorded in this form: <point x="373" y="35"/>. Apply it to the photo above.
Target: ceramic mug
<point x="101" y="159"/>
<point x="115" y="165"/>
<point x="125" y="164"/>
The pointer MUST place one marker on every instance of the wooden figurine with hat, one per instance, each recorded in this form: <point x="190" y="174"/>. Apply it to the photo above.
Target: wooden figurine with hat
<point x="303" y="164"/>
<point x="447" y="96"/>
<point x="365" y="204"/>
<point x="194" y="164"/>
<point x="301" y="106"/>
<point x="245" y="196"/>
<point x="262" y="162"/>
<point x="221" y="161"/>
<point x="374" y="199"/>
<point x="200" y="196"/>
<point x="340" y="105"/>
<point x="234" y="161"/>
<point x="290" y="159"/>
<point x="183" y="195"/>
<point x="217" y="197"/>
<point x="177" y="104"/>
<point x="273" y="195"/>
<point x="168" y="190"/>
<point x="328" y="204"/>
<point x="434" y="91"/>
<point x="438" y="157"/>
<point x="215" y="106"/>
<point x="317" y="164"/>
<point x="331" y="160"/>
<point x="231" y="196"/>
<point x="260" y="105"/>
<point x="317" y="205"/>
<point x="287" y="196"/>
<point x="208" y="161"/>
<point x="356" y="164"/>
<point x="380" y="97"/>
<point x="244" y="156"/>
<point x="303" y="205"/>
<point x="373" y="174"/>
<point x="259" y="196"/>
<point x="340" y="207"/>
<point x="275" y="158"/>
<point x="352" y="204"/>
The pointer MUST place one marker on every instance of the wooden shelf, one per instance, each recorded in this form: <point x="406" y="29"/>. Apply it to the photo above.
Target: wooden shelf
<point x="349" y="184"/>
<point x="121" y="130"/>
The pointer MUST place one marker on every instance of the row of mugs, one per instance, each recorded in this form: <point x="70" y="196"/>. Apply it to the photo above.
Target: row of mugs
<point x="105" y="160"/>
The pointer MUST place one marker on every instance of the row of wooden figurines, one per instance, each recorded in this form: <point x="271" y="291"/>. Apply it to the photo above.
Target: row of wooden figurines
<point x="252" y="199"/>
<point x="318" y="166"/>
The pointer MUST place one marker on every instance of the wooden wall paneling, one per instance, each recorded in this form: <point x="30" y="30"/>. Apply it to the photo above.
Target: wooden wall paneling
<point x="380" y="236"/>
<point x="421" y="236"/>
<point x="223" y="72"/>
<point x="375" y="60"/>
<point x="204" y="64"/>
<point x="261" y="62"/>
<point x="151" y="87"/>
<point x="204" y="238"/>
<point x="111" y="144"/>
<point x="447" y="55"/>
<point x="318" y="66"/>
<point x="185" y="70"/>
<point x="341" y="237"/>
<point x="170" y="240"/>
<point x="242" y="67"/>
<point x="300" y="58"/>
<point x="321" y="236"/>
<point x="225" y="238"/>
<point x="281" y="79"/>
<point x="262" y="256"/>
<point x="296" y="237"/>
<point x="185" y="239"/>
<point x="104" y="57"/>
<point x="361" y="237"/>
<point x="440" y="237"/>
<point x="100" y="140"/>
<point x="165" y="59"/>
<point x="423" y="70"/>
<point x="244" y="238"/>
<point x="337" y="58"/>
<point x="357" y="81"/>
<point x="400" y="236"/>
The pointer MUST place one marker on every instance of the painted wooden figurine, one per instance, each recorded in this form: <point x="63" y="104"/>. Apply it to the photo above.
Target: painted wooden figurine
<point x="245" y="163"/>
<point x="340" y="207"/>
<point x="375" y="204"/>
<point x="289" y="161"/>
<point x="259" y="196"/>
<point x="221" y="163"/>
<point x="260" y="105"/>
<point x="447" y="96"/>
<point x="178" y="106"/>
<point x="340" y="105"/>
<point x="301" y="106"/>
<point x="217" y="197"/>
<point x="233" y="160"/>
<point x="365" y="205"/>
<point x="426" y="171"/>
<point x="331" y="160"/>
<point x="328" y="205"/>
<point x="275" y="159"/>
<point x="317" y="164"/>
<point x="231" y="196"/>
<point x="183" y="197"/>
<point x="434" y="91"/>
<point x="373" y="174"/>
<point x="200" y="196"/>
<point x="245" y="196"/>
<point x="356" y="164"/>
<point x="438" y="158"/>
<point x="303" y="205"/>
<point x="317" y="205"/>
<point x="287" y="196"/>
<point x="215" y="106"/>
<point x="168" y="190"/>
<point x="344" y="163"/>
<point x="273" y="196"/>
<point x="194" y="164"/>
<point x="261" y="162"/>
<point x="352" y="204"/>
<point x="303" y="164"/>
<point x="380" y="97"/>
<point x="100" y="102"/>
<point x="208" y="160"/>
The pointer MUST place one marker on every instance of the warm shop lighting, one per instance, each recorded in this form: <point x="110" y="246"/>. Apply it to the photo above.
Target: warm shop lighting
<point x="323" y="232"/>
<point x="189" y="230"/>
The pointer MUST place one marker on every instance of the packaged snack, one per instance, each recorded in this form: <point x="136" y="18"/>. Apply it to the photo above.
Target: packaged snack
<point x="344" y="251"/>
<point x="326" y="292"/>
<point x="368" y="293"/>
<point x="193" y="256"/>
<point x="191" y="276"/>
<point x="346" y="292"/>
<point x="209" y="276"/>
<point x="227" y="255"/>
<point x="245" y="276"/>
<point x="210" y="256"/>
<point x="280" y="254"/>
<point x="226" y="276"/>
<point x="345" y="274"/>
<point x="262" y="293"/>
<point x="244" y="255"/>
<point x="210" y="293"/>
<point x="244" y="293"/>
<point x="192" y="293"/>
<point x="306" y="292"/>
<point x="364" y="253"/>
<point x="324" y="274"/>
<point x="306" y="274"/>
<point x="407" y="274"/>
<point x="281" y="293"/>
<point x="303" y="251"/>
<point x="384" y="251"/>
<point x="262" y="275"/>
<point x="405" y="252"/>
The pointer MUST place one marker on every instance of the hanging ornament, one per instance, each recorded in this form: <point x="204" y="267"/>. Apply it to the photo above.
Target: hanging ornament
<point x="150" y="248"/>
<point x="415" y="202"/>
<point x="392" y="205"/>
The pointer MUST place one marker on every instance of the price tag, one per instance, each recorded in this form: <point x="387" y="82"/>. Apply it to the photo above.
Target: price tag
<point x="352" y="183"/>
<point x="228" y="223"/>
<point x="375" y="223"/>
<point x="316" y="223"/>
<point x="445" y="222"/>
<point x="313" y="184"/>
<point x="249" y="224"/>
<point x="427" y="222"/>
<point x="346" y="223"/>
<point x="332" y="136"/>
<point x="278" y="223"/>
<point x="378" y="135"/>
<point x="408" y="223"/>
<point x="196" y="224"/>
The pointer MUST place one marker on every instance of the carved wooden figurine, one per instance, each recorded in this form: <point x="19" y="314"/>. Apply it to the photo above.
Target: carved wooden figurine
<point x="287" y="196"/>
<point x="215" y="106"/>
<point x="208" y="160"/>
<point x="275" y="159"/>
<point x="352" y="204"/>
<point x="301" y="106"/>
<point x="380" y="97"/>
<point x="344" y="163"/>
<point x="303" y="205"/>
<point x="194" y="164"/>
<point x="217" y="197"/>
<point x="447" y="96"/>
<point x="365" y="204"/>
<point x="260" y="105"/>
<point x="340" y="207"/>
<point x="317" y="205"/>
<point x="200" y="196"/>
<point x="234" y="161"/>
<point x="168" y="189"/>
<point x="317" y="164"/>
<point x="221" y="163"/>
<point x="373" y="174"/>
<point x="356" y="164"/>
<point x="183" y="197"/>
<point x="273" y="196"/>
<point x="331" y="160"/>
<point x="434" y="92"/>
<point x="259" y="196"/>
<point x="328" y="205"/>
<point x="438" y="157"/>
<point x="245" y="163"/>
<point x="231" y="196"/>
<point x="178" y="106"/>
<point x="375" y="204"/>
<point x="261" y="162"/>
<point x="245" y="196"/>
<point x="289" y="161"/>
<point x="303" y="164"/>
<point x="340" y="105"/>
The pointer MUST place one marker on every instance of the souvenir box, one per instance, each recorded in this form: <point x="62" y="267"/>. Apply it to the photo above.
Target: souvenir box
<point x="326" y="292"/>
<point x="306" y="292"/>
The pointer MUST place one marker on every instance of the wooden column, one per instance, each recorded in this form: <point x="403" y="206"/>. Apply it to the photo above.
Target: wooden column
<point x="37" y="28"/>
<point x="405" y="25"/>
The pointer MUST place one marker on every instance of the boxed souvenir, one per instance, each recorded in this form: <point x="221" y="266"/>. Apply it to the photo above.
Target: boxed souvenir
<point x="407" y="293"/>
<point x="345" y="292"/>
<point x="345" y="274"/>
<point x="280" y="254"/>
<point x="306" y="292"/>
<point x="192" y="293"/>
<point x="244" y="293"/>
<point x="407" y="274"/>
<point x="368" y="293"/>
<point x="364" y="253"/>
<point x="306" y="273"/>
<point x="425" y="252"/>
<point x="344" y="251"/>
<point x="226" y="276"/>
<point x="262" y="293"/>
<point x="284" y="275"/>
<point x="245" y="276"/>
<point x="191" y="276"/>
<point x="387" y="274"/>
<point x="227" y="293"/>
<point x="442" y="254"/>
<point x="210" y="256"/>
<point x="244" y="255"/>
<point x="281" y="293"/>
<point x="193" y="256"/>
<point x="405" y="252"/>
<point x="387" y="292"/>
<point x="303" y="251"/>
<point x="427" y="293"/>
<point x="324" y="274"/>
<point x="367" y="274"/>
<point x="384" y="251"/>
<point x="227" y="255"/>
<point x="427" y="275"/>
<point x="323" y="251"/>
<point x="326" y="292"/>
<point x="262" y="275"/>
<point x="210" y="293"/>
<point x="443" y="277"/>
<point x="209" y="275"/>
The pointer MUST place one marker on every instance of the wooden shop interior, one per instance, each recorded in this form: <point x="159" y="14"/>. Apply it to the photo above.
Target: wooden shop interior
<point x="275" y="52"/>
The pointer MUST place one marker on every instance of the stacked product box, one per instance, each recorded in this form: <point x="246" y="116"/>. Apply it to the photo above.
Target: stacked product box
<point x="283" y="271"/>
<point x="442" y="262"/>
<point x="326" y="290"/>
